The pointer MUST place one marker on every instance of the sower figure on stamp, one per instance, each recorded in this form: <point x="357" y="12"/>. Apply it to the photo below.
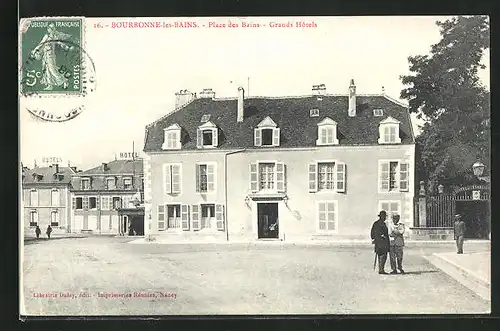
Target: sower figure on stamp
<point x="380" y="237"/>
<point x="397" y="242"/>
<point x="37" y="232"/>
<point x="459" y="232"/>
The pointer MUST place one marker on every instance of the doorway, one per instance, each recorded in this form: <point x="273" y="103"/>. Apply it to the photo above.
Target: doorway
<point x="476" y="215"/>
<point x="267" y="220"/>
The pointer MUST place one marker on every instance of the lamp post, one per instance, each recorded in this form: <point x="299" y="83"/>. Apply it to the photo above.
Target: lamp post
<point x="478" y="169"/>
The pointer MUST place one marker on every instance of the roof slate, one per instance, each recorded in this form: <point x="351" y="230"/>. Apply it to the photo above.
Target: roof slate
<point x="47" y="174"/>
<point x="292" y="116"/>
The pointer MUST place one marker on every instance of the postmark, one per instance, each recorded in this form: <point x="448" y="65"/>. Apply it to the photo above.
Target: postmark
<point x="54" y="67"/>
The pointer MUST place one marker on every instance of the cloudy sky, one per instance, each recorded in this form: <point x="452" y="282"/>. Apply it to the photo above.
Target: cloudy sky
<point x="139" y="70"/>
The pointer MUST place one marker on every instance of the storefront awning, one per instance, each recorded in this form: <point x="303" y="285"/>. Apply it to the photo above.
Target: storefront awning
<point x="131" y="211"/>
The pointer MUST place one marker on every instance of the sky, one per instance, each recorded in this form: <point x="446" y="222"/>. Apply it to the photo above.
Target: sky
<point x="138" y="71"/>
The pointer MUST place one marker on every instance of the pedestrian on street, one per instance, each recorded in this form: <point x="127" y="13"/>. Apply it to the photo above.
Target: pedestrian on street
<point x="397" y="242"/>
<point x="380" y="237"/>
<point x="459" y="233"/>
<point x="37" y="232"/>
<point x="49" y="231"/>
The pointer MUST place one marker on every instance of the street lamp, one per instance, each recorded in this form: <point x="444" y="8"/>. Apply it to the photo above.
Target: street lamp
<point x="478" y="169"/>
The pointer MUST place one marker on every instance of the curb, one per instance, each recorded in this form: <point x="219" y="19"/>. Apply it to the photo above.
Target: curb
<point x="468" y="278"/>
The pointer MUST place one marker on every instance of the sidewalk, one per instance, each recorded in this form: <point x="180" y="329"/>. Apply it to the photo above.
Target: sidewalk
<point x="472" y="270"/>
<point x="54" y="236"/>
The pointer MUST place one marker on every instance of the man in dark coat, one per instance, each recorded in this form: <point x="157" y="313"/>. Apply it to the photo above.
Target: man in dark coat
<point x="380" y="237"/>
<point x="49" y="231"/>
<point x="37" y="232"/>
<point x="459" y="233"/>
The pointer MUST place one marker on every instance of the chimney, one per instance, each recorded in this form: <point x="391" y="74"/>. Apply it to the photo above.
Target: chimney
<point x="319" y="89"/>
<point x="352" y="99"/>
<point x="56" y="165"/>
<point x="183" y="97"/>
<point x="241" y="104"/>
<point x="207" y="93"/>
<point x="104" y="166"/>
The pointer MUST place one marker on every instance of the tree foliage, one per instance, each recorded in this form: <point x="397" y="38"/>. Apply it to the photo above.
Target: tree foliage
<point x="444" y="89"/>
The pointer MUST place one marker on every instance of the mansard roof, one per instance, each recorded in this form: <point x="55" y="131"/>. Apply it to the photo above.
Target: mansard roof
<point x="291" y="115"/>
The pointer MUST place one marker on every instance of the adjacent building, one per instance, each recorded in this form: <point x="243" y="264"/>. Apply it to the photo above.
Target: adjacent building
<point x="46" y="198"/>
<point x="287" y="168"/>
<point x="105" y="199"/>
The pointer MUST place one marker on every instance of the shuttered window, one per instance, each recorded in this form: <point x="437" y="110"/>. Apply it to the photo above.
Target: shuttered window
<point x="219" y="217"/>
<point x="393" y="176"/>
<point x="161" y="217"/>
<point x="172" y="177"/>
<point x="327" y="176"/>
<point x="327" y="216"/>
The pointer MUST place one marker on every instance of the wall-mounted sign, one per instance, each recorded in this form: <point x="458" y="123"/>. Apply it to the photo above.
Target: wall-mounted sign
<point x="50" y="160"/>
<point x="476" y="195"/>
<point x="128" y="155"/>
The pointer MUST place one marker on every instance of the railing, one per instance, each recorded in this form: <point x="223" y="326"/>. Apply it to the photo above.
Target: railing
<point x="440" y="211"/>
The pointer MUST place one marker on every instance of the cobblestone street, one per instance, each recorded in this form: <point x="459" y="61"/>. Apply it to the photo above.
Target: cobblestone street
<point x="108" y="276"/>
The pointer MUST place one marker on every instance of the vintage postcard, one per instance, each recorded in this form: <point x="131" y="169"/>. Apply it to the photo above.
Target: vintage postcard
<point x="254" y="165"/>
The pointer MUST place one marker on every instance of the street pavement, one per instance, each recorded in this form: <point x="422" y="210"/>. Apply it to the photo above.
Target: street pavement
<point x="109" y="276"/>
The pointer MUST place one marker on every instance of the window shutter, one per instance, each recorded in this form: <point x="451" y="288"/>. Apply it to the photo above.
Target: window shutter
<point x="198" y="179"/>
<point x="253" y="177"/>
<point x="185" y="217"/>
<point x="384" y="176"/>
<point x="385" y="206"/>
<point x="176" y="178"/>
<point x="210" y="177"/>
<point x="219" y="217"/>
<point x="322" y="136"/>
<point x="161" y="217"/>
<point x="97" y="203"/>
<point x="215" y="137"/>
<point x="322" y="216"/>
<point x="403" y="177"/>
<point x="313" y="177"/>
<point x="195" y="217"/>
<point x="340" y="178"/>
<point x="276" y="137"/>
<point x="74" y="203"/>
<point x="257" y="137"/>
<point x="330" y="135"/>
<point x="85" y="202"/>
<point x="199" y="138"/>
<point x="280" y="177"/>
<point x="167" y="173"/>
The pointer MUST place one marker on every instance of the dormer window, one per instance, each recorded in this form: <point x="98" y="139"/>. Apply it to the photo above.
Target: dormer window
<point x="327" y="132"/>
<point x="267" y="133"/>
<point x="172" y="139"/>
<point x="85" y="183"/>
<point x="378" y="112"/>
<point x="205" y="118"/>
<point x="389" y="131"/>
<point x="111" y="183"/>
<point x="127" y="183"/>
<point x="207" y="135"/>
<point x="313" y="112"/>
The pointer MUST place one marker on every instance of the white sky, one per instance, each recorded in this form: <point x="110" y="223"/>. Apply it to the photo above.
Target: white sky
<point x="139" y="70"/>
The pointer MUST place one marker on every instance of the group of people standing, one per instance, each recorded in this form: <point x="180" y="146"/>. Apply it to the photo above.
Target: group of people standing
<point x="388" y="239"/>
<point x="47" y="232"/>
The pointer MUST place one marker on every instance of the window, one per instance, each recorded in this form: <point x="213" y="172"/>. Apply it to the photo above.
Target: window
<point x="85" y="203"/>
<point x="394" y="176"/>
<point x="205" y="118"/>
<point x="85" y="183"/>
<point x="205" y="174"/>
<point x="105" y="203"/>
<point x="33" y="218"/>
<point x="314" y="113"/>
<point x="207" y="214"/>
<point x="127" y="183"/>
<point x="378" y="112"/>
<point x="161" y="217"/>
<point x="33" y="198"/>
<point x="111" y="183"/>
<point x="327" y="176"/>
<point x="390" y="207"/>
<point x="92" y="203"/>
<point x="173" y="216"/>
<point x="267" y="176"/>
<point x="126" y="200"/>
<point x="172" y="178"/>
<point x="117" y="202"/>
<point x="207" y="136"/>
<point x="327" y="216"/>
<point x="172" y="137"/>
<point x="267" y="133"/>
<point x="54" y="218"/>
<point x="78" y="203"/>
<point x="55" y="198"/>
<point x="327" y="132"/>
<point x="389" y="131"/>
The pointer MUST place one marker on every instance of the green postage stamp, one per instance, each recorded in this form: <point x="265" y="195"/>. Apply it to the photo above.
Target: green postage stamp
<point x="52" y="57"/>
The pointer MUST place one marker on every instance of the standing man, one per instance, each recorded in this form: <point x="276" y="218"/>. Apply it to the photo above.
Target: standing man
<point x="459" y="231"/>
<point x="49" y="231"/>
<point x="37" y="232"/>
<point x="397" y="242"/>
<point x="380" y="237"/>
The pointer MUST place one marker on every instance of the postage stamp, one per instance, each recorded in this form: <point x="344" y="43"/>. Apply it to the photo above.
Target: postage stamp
<point x="51" y="55"/>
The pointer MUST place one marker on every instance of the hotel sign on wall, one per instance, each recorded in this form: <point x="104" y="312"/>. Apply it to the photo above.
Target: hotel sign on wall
<point x="50" y="160"/>
<point x="128" y="155"/>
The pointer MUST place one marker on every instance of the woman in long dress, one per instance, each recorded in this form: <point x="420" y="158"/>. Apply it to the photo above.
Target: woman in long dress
<point x="46" y="52"/>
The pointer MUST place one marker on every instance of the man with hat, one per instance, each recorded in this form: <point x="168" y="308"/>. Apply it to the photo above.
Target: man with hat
<point x="397" y="242"/>
<point x="459" y="233"/>
<point x="380" y="237"/>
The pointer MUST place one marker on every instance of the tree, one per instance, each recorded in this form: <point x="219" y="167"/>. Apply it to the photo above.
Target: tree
<point x="444" y="89"/>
